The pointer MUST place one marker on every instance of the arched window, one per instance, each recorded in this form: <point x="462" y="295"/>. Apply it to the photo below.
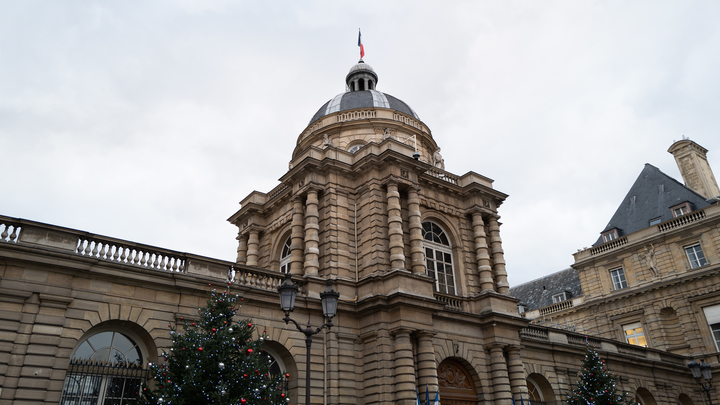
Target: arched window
<point x="277" y="367"/>
<point x="355" y="148"/>
<point x="438" y="257"/>
<point x="105" y="368"/>
<point x="285" y="254"/>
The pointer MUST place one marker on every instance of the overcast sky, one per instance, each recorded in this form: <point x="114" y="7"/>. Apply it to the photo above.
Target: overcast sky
<point x="149" y="121"/>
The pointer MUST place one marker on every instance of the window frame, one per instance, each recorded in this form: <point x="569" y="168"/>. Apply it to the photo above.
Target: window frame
<point x="680" y="209"/>
<point x="563" y="296"/>
<point x="446" y="251"/>
<point x="285" y="260"/>
<point x="639" y="337"/>
<point x="621" y="282"/>
<point x="611" y="235"/>
<point x="696" y="261"/>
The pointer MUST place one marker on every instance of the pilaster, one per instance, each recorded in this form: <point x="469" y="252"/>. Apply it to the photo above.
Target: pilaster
<point x="312" y="236"/>
<point x="518" y="386"/>
<point x="296" y="238"/>
<point x="501" y="283"/>
<point x="499" y="374"/>
<point x="395" y="232"/>
<point x="417" y="253"/>
<point x="404" y="369"/>
<point x="427" y="366"/>
<point x="481" y="253"/>
<point x="253" y="247"/>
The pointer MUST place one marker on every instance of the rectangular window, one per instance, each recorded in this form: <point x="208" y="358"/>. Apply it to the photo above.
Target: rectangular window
<point x="559" y="297"/>
<point x="695" y="256"/>
<point x="610" y="235"/>
<point x="680" y="210"/>
<point x="712" y="316"/>
<point x="618" y="278"/>
<point x="634" y="334"/>
<point x="655" y="221"/>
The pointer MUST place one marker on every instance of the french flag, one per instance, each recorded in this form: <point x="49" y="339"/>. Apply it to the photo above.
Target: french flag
<point x="362" y="48"/>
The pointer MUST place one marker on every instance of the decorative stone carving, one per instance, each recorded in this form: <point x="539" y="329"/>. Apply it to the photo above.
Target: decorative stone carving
<point x="387" y="133"/>
<point x="327" y="141"/>
<point x="437" y="160"/>
<point x="650" y="259"/>
<point x="451" y="376"/>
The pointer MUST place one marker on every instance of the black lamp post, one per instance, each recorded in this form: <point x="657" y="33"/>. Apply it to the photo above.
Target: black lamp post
<point x="705" y="371"/>
<point x="288" y="290"/>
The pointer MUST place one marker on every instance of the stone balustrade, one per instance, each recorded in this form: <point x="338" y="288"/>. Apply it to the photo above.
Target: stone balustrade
<point x="443" y="175"/>
<point x="10" y="231"/>
<point x="451" y="301"/>
<point x="18" y="233"/>
<point x="649" y="232"/>
<point x="557" y="307"/>
<point x="548" y="334"/>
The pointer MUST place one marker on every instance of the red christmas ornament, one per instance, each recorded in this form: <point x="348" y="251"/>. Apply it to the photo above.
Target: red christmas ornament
<point x="214" y="330"/>
<point x="282" y="395"/>
<point x="193" y="323"/>
<point x="249" y="324"/>
<point x="182" y="318"/>
<point x="244" y="375"/>
<point x="243" y="401"/>
<point x="287" y="375"/>
<point x="249" y="351"/>
<point x="209" y="285"/>
<point x="200" y="349"/>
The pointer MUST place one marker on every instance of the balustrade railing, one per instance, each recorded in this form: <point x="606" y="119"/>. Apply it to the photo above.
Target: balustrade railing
<point x="681" y="220"/>
<point x="256" y="279"/>
<point x="559" y="306"/>
<point x="134" y="255"/>
<point x="10" y="232"/>
<point x="531" y="332"/>
<point x="609" y="246"/>
<point x="451" y="302"/>
<point x="443" y="175"/>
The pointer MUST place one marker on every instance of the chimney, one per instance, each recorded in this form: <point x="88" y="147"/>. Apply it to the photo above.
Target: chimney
<point x="691" y="159"/>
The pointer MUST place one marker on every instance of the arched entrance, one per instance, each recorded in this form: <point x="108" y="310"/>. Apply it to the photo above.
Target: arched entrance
<point x="456" y="384"/>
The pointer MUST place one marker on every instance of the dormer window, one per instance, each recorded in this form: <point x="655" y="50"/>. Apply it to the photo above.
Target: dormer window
<point x="655" y="221"/>
<point x="522" y="308"/>
<point x="563" y="296"/>
<point x="680" y="210"/>
<point x="610" y="235"/>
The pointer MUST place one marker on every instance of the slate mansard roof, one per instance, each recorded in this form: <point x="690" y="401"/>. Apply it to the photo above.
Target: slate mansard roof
<point x="538" y="293"/>
<point x="651" y="197"/>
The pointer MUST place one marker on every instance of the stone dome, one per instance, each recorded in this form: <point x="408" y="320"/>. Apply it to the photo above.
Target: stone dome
<point x="361" y="93"/>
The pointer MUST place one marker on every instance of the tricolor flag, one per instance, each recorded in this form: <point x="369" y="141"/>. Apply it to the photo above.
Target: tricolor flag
<point x="362" y="48"/>
<point x="437" y="397"/>
<point x="427" y="395"/>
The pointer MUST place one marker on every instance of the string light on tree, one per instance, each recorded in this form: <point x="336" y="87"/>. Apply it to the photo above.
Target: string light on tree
<point x="597" y="385"/>
<point x="215" y="360"/>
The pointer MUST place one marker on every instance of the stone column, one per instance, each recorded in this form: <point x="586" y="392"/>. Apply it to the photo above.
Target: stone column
<point x="312" y="234"/>
<point x="252" y="249"/>
<point x="296" y="238"/>
<point x="417" y="252"/>
<point x="395" y="232"/>
<point x="482" y="255"/>
<point x="427" y="366"/>
<point x="499" y="375"/>
<point x="516" y="373"/>
<point x="501" y="283"/>
<point x="242" y="249"/>
<point x="404" y="369"/>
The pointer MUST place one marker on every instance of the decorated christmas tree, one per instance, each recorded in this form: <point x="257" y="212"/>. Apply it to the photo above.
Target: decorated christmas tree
<point x="215" y="361"/>
<point x="597" y="385"/>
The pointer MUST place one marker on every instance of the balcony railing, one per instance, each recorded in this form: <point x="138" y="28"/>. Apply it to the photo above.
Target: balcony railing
<point x="557" y="307"/>
<point x="681" y="220"/>
<point x="28" y="234"/>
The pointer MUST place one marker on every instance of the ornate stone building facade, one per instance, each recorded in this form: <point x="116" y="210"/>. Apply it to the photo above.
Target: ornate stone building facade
<point x="415" y="252"/>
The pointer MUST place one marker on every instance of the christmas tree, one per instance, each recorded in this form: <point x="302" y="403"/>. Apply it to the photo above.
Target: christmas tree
<point x="597" y="385"/>
<point x="215" y="361"/>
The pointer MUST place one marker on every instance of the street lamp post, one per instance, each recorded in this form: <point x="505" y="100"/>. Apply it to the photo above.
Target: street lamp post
<point x="329" y="298"/>
<point x="705" y="371"/>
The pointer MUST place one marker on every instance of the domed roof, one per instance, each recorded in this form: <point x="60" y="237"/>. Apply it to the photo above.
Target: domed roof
<point x="361" y="93"/>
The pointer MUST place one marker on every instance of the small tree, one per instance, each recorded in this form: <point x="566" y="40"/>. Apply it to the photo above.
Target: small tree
<point x="596" y="385"/>
<point x="215" y="361"/>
